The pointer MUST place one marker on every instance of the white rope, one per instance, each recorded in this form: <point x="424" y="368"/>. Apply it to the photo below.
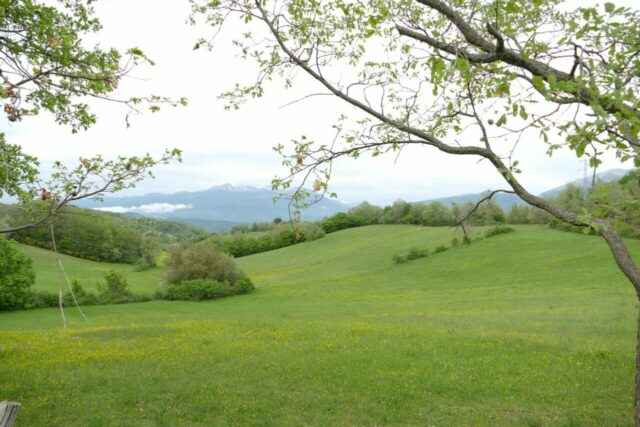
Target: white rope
<point x="66" y="278"/>
<point x="64" y="319"/>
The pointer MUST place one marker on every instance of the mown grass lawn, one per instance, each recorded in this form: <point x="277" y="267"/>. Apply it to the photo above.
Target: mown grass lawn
<point x="532" y="328"/>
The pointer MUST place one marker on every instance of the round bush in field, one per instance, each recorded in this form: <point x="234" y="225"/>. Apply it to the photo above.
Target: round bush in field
<point x="202" y="260"/>
<point x="204" y="289"/>
<point x="16" y="276"/>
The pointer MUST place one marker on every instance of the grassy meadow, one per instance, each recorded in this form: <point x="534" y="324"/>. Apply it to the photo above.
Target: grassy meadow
<point x="532" y="328"/>
<point x="88" y="273"/>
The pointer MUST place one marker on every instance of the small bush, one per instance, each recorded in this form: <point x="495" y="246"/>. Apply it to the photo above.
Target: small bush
<point x="111" y="292"/>
<point x="416" y="253"/>
<point x="142" y="264"/>
<point x="455" y="242"/>
<point x="440" y="249"/>
<point x="204" y="289"/>
<point x="82" y="296"/>
<point x="413" y="254"/>
<point x="202" y="260"/>
<point x="498" y="229"/>
<point x="42" y="299"/>
<point x="243" y="286"/>
<point x="399" y="259"/>
<point x="115" y="288"/>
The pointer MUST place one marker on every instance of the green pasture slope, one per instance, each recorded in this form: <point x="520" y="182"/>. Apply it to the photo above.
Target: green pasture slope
<point x="530" y="328"/>
<point x="88" y="273"/>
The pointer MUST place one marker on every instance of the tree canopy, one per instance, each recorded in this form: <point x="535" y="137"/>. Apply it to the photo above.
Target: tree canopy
<point x="46" y="64"/>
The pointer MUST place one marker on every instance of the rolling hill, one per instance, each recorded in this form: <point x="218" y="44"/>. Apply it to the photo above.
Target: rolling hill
<point x="535" y="327"/>
<point x="88" y="273"/>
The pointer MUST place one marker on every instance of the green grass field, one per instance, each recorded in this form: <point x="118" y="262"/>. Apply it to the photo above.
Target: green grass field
<point x="88" y="273"/>
<point x="530" y="328"/>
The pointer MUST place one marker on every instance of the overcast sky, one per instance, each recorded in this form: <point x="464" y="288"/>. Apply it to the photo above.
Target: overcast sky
<point x="235" y="146"/>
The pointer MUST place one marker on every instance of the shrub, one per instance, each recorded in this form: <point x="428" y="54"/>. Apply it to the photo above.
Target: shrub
<point x="113" y="291"/>
<point x="197" y="290"/>
<point x="42" y="299"/>
<point x="202" y="260"/>
<point x="204" y="289"/>
<point x="243" y="286"/>
<point x="413" y="254"/>
<point x="498" y="229"/>
<point x="286" y="237"/>
<point x="311" y="231"/>
<point x="142" y="264"/>
<point x="455" y="242"/>
<point x="439" y="249"/>
<point x="115" y="288"/>
<point x="416" y="253"/>
<point x="16" y="276"/>
<point x="399" y="259"/>
<point x="82" y="296"/>
<point x="340" y="221"/>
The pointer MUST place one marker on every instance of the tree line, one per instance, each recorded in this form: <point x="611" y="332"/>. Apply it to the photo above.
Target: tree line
<point x="100" y="236"/>
<point x="264" y="236"/>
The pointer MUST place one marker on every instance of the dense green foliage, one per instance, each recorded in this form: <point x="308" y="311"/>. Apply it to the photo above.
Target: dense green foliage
<point x="497" y="230"/>
<point x="16" y="168"/>
<point x="617" y="202"/>
<point x="274" y="236"/>
<point x="89" y="235"/>
<point x="101" y="236"/>
<point x="336" y="334"/>
<point x="115" y="285"/>
<point x="413" y="254"/>
<point x="340" y="221"/>
<point x="16" y="276"/>
<point x="204" y="289"/>
<point x="202" y="260"/>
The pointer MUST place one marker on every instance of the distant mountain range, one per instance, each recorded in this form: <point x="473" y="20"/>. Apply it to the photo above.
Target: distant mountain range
<point x="224" y="206"/>
<point x="220" y="207"/>
<point x="506" y="201"/>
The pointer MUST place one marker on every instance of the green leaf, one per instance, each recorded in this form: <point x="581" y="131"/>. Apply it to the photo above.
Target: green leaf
<point x="538" y="83"/>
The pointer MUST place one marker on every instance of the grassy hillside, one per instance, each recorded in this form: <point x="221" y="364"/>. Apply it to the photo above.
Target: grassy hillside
<point x="88" y="273"/>
<point x="531" y="328"/>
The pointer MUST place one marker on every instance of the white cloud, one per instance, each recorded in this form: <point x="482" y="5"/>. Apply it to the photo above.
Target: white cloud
<point x="150" y="209"/>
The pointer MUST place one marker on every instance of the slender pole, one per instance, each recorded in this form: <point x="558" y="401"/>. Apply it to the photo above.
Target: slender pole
<point x="66" y="278"/>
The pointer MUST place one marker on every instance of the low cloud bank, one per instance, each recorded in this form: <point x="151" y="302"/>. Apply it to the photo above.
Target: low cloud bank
<point x="152" y="208"/>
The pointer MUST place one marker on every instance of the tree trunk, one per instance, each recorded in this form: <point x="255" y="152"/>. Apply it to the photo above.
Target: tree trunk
<point x="637" y="399"/>
<point x="631" y="270"/>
